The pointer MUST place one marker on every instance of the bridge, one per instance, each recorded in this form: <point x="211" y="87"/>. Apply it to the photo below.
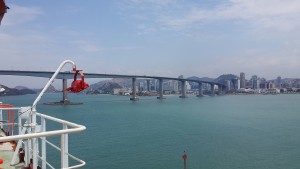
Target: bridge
<point x="70" y="75"/>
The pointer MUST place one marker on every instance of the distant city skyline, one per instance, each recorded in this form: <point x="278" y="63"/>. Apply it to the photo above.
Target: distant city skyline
<point x="253" y="82"/>
<point x="152" y="37"/>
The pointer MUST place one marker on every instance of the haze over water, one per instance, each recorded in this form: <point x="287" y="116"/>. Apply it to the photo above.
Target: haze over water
<point x="223" y="132"/>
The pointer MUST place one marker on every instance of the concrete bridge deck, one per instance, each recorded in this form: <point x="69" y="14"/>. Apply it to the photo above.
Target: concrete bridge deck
<point x="70" y="75"/>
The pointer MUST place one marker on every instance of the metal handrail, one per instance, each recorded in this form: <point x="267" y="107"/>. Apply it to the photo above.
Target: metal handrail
<point x="33" y="134"/>
<point x="70" y="155"/>
<point x="75" y="129"/>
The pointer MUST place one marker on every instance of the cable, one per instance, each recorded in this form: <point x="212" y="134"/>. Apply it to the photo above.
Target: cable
<point x="21" y="114"/>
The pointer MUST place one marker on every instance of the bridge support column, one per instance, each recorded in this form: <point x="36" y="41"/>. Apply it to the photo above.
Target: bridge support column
<point x="212" y="88"/>
<point x="183" y="89"/>
<point x="134" y="98"/>
<point x="65" y="100"/>
<point x="65" y="94"/>
<point x="161" y="91"/>
<point x="200" y="91"/>
<point x="148" y="85"/>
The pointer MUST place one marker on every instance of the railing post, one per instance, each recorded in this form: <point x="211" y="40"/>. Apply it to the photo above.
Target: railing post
<point x="1" y="117"/>
<point x="64" y="149"/>
<point x="34" y="140"/>
<point x="44" y="164"/>
<point x="34" y="151"/>
<point x="31" y="141"/>
<point x="20" y="125"/>
<point x="26" y="157"/>
<point x="29" y="145"/>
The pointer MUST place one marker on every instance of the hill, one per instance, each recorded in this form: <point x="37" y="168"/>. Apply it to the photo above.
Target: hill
<point x="223" y="78"/>
<point x="202" y="79"/>
<point x="51" y="89"/>
<point x="105" y="88"/>
<point x="6" y="91"/>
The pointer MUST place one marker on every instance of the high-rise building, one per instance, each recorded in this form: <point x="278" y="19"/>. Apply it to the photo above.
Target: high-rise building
<point x="141" y="87"/>
<point x="263" y="83"/>
<point x="235" y="83"/>
<point x="278" y="82"/>
<point x="228" y="85"/>
<point x="153" y="84"/>
<point x="171" y="85"/>
<point x="180" y="84"/>
<point x="242" y="80"/>
<point x="188" y="86"/>
<point x="175" y="86"/>
<point x="255" y="82"/>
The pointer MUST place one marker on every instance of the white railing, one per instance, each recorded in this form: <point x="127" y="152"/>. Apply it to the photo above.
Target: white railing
<point x="30" y="131"/>
<point x="26" y="140"/>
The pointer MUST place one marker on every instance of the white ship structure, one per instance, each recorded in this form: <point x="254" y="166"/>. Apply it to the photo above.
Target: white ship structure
<point x="24" y="134"/>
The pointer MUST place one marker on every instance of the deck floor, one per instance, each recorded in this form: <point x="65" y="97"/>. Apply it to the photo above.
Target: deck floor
<point x="6" y="154"/>
<point x="6" y="157"/>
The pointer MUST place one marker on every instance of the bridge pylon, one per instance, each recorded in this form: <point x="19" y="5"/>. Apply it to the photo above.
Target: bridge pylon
<point x="183" y="89"/>
<point x="134" y="98"/>
<point x="65" y="100"/>
<point x="161" y="91"/>
<point x="200" y="91"/>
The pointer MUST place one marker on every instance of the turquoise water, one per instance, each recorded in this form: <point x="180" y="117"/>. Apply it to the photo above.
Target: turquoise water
<point x="225" y="132"/>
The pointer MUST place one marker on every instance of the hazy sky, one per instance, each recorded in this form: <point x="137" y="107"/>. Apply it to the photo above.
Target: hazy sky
<point x="152" y="37"/>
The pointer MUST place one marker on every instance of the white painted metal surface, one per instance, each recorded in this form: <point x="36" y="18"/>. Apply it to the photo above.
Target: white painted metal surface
<point x="31" y="133"/>
<point x="67" y="128"/>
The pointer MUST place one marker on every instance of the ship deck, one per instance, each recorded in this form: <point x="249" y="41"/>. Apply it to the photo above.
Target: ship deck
<point x="6" y="154"/>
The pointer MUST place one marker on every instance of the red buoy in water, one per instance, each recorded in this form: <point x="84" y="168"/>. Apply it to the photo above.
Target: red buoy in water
<point x="78" y="85"/>
<point x="184" y="160"/>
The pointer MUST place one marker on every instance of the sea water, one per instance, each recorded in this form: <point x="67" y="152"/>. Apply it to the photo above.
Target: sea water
<point x="222" y="132"/>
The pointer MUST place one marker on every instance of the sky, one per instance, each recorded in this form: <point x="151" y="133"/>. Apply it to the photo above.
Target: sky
<point x="204" y="38"/>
